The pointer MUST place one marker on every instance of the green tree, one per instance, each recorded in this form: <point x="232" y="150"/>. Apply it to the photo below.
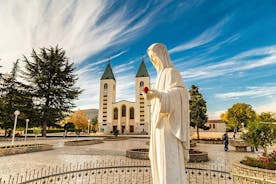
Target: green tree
<point x="267" y="117"/>
<point x="198" y="109"/>
<point x="14" y="96"/>
<point x="51" y="75"/>
<point x="251" y="135"/>
<point x="260" y="134"/>
<point x="240" y="113"/>
<point x="94" y="124"/>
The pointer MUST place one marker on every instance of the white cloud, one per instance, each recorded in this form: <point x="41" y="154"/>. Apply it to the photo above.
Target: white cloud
<point x="83" y="28"/>
<point x="247" y="60"/>
<point x="215" y="115"/>
<point x="252" y="92"/>
<point x="94" y="66"/>
<point x="205" y="37"/>
<point x="269" y="107"/>
<point x="77" y="26"/>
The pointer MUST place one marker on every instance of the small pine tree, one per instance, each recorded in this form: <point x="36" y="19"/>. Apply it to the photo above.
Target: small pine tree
<point x="198" y="109"/>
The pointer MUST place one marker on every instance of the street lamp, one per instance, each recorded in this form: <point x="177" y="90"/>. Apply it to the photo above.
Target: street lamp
<point x="26" y="133"/>
<point x="89" y="126"/>
<point x="16" y="113"/>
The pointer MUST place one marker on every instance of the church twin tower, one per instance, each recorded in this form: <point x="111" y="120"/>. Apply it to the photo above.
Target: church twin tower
<point x="124" y="116"/>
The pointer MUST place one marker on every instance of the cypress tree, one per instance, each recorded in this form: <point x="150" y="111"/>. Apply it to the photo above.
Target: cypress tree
<point x="198" y="109"/>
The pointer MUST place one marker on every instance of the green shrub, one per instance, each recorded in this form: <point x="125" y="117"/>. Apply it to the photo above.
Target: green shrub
<point x="48" y="131"/>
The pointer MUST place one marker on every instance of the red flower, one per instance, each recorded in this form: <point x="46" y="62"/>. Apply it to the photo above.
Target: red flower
<point x="264" y="159"/>
<point x="146" y="89"/>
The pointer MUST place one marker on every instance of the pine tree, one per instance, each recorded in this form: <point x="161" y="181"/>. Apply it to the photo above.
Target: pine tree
<point x="51" y="75"/>
<point x="198" y="109"/>
<point x="14" y="96"/>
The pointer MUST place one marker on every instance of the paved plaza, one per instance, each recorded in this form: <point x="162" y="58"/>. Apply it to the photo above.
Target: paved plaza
<point x="109" y="150"/>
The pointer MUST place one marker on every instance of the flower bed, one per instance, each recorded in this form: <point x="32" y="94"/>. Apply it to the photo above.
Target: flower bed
<point x="255" y="170"/>
<point x="24" y="148"/>
<point x="263" y="162"/>
<point x="82" y="142"/>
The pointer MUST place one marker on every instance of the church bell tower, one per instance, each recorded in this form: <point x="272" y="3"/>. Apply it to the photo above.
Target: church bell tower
<point x="142" y="114"/>
<point x="107" y="98"/>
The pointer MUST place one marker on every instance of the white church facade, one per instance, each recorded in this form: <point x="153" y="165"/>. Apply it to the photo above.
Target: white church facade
<point x="125" y="116"/>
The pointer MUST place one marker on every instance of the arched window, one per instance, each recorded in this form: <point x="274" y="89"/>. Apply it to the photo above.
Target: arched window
<point x="141" y="84"/>
<point x="123" y="111"/>
<point x="131" y="113"/>
<point x="115" y="115"/>
<point x="105" y="87"/>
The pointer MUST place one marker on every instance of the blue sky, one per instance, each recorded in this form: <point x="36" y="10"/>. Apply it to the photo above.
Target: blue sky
<point x="227" y="48"/>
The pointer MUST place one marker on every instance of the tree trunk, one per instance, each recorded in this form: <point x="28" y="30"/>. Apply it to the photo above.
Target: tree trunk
<point x="44" y="127"/>
<point x="265" y="151"/>
<point x="197" y="131"/>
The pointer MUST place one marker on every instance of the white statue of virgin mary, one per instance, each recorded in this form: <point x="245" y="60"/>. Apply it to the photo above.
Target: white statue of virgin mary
<point x="169" y="138"/>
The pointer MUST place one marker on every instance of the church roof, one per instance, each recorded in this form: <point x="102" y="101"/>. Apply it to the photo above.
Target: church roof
<point x="142" y="71"/>
<point x="108" y="73"/>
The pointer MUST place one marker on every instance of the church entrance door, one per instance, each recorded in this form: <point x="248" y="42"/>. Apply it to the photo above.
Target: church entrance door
<point x="123" y="127"/>
<point x="131" y="128"/>
<point x="114" y="128"/>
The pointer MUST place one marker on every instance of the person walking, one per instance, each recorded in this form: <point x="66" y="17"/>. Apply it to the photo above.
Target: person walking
<point x="225" y="139"/>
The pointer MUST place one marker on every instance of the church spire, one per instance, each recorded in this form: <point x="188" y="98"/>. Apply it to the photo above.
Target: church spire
<point x="108" y="73"/>
<point x="142" y="71"/>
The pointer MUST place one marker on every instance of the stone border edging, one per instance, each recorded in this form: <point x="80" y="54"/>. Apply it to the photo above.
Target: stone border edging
<point x="82" y="142"/>
<point x="115" y="138"/>
<point x="243" y="173"/>
<point x="198" y="156"/>
<point x="20" y="149"/>
<point x="208" y="141"/>
<point x="142" y="153"/>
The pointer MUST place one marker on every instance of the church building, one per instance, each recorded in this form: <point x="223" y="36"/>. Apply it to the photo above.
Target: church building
<point x="125" y="116"/>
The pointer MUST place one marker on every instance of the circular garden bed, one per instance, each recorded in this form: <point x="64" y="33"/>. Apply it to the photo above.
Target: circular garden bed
<point x="143" y="154"/>
<point x="24" y="148"/>
<point x="82" y="142"/>
<point x="115" y="138"/>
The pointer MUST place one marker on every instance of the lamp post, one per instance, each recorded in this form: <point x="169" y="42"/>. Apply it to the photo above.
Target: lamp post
<point x="16" y="113"/>
<point x="26" y="133"/>
<point x="89" y="126"/>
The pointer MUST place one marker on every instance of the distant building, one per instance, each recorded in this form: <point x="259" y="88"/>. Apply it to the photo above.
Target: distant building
<point x="214" y="126"/>
<point x="90" y="113"/>
<point x="124" y="116"/>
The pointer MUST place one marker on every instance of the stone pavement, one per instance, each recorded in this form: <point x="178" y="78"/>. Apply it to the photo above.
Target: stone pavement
<point x="109" y="150"/>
